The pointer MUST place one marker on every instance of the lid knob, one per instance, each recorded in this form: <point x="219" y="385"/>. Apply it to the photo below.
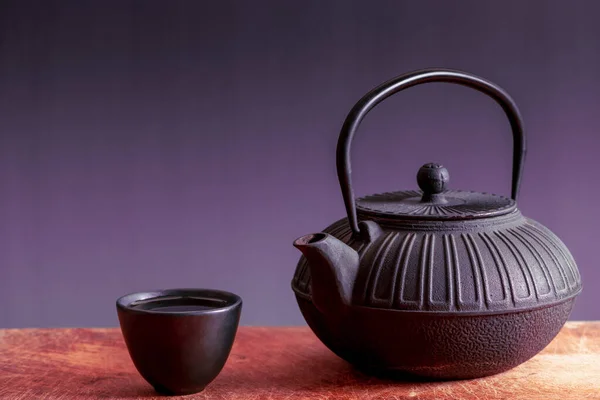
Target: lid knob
<point x="433" y="179"/>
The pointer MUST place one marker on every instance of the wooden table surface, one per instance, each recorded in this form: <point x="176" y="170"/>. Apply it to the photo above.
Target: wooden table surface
<point x="277" y="363"/>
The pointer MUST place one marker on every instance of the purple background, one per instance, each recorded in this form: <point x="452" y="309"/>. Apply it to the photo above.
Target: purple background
<point x="149" y="144"/>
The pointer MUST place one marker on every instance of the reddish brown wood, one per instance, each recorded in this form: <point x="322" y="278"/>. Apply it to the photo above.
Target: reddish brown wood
<point x="277" y="363"/>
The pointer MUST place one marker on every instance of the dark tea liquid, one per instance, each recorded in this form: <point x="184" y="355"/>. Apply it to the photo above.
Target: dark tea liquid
<point x="177" y="304"/>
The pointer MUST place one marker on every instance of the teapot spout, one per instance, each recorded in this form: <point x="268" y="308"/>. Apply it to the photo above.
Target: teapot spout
<point x="333" y="267"/>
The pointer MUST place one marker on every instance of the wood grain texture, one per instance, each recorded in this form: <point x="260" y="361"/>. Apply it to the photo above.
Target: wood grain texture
<point x="277" y="363"/>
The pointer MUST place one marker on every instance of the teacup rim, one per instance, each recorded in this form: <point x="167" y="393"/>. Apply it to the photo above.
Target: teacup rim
<point x="124" y="302"/>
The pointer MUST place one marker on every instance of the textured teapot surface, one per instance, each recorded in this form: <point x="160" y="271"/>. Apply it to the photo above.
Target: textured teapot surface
<point x="508" y="263"/>
<point x="483" y="257"/>
<point x="434" y="282"/>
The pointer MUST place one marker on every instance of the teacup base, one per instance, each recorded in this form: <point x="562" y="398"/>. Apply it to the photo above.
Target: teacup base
<point x="168" y="392"/>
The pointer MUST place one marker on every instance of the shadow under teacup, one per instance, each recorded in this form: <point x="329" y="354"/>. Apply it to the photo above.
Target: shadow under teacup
<point x="179" y="339"/>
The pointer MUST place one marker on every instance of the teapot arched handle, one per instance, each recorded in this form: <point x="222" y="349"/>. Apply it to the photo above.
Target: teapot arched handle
<point x="395" y="85"/>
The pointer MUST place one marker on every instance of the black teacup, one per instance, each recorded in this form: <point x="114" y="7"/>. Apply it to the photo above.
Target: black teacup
<point x="179" y="339"/>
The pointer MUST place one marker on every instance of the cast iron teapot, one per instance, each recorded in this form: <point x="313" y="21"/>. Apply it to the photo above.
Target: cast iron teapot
<point x="439" y="283"/>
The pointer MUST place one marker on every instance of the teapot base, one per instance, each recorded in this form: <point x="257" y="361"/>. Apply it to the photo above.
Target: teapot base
<point x="433" y="346"/>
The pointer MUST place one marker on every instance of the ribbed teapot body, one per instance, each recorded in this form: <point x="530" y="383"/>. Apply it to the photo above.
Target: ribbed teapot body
<point x="489" y="265"/>
<point x="448" y="301"/>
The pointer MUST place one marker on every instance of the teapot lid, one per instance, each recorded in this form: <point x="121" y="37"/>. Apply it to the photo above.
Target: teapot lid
<point x="434" y="201"/>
